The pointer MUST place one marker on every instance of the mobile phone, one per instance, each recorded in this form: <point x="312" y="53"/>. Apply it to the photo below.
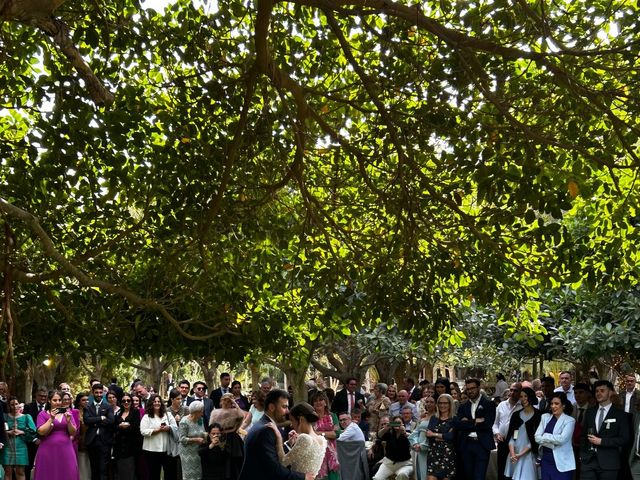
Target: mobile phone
<point x="163" y="424"/>
<point x="62" y="410"/>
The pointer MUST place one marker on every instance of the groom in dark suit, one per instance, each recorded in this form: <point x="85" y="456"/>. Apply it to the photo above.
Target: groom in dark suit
<point x="475" y="429"/>
<point x="605" y="434"/>
<point x="98" y="417"/>
<point x="260" y="454"/>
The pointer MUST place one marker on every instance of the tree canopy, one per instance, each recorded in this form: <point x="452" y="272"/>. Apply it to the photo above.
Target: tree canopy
<point x="242" y="173"/>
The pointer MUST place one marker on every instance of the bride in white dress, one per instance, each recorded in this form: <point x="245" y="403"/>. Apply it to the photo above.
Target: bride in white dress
<point x="307" y="447"/>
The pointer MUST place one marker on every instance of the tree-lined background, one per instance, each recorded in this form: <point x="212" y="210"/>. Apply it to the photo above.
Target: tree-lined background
<point x="263" y="180"/>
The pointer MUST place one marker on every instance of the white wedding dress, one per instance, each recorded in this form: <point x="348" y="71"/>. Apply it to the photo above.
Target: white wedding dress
<point x="307" y="454"/>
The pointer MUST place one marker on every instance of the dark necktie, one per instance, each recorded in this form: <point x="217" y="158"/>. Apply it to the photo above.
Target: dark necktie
<point x="580" y="415"/>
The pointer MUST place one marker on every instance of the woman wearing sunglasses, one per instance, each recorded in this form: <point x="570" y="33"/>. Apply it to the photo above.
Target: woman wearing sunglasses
<point x="127" y="445"/>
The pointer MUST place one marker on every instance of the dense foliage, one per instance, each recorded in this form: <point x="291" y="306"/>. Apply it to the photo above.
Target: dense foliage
<point x="269" y="171"/>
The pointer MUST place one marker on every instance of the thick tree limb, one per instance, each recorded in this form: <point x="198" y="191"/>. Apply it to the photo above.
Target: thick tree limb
<point x="59" y="33"/>
<point x="85" y="280"/>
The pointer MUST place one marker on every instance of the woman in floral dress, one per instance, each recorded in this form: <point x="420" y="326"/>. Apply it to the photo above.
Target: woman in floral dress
<point x="327" y="426"/>
<point x="441" y="434"/>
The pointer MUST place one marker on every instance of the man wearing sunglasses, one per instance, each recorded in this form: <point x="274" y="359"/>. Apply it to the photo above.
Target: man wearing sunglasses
<point x="200" y="393"/>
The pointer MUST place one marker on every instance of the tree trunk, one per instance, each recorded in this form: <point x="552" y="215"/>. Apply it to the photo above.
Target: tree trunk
<point x="27" y="392"/>
<point x="209" y="368"/>
<point x="254" y="368"/>
<point x="386" y="370"/>
<point x="297" y="378"/>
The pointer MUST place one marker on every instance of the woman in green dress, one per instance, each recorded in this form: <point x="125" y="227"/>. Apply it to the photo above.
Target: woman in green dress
<point x="192" y="435"/>
<point x="20" y="431"/>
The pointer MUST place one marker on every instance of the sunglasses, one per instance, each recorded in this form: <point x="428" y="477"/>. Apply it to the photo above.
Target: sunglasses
<point x="126" y="401"/>
<point x="199" y="388"/>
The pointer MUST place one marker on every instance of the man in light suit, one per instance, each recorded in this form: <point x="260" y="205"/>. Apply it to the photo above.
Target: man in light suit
<point x="98" y="417"/>
<point x="261" y="457"/>
<point x="475" y="430"/>
<point x="605" y="434"/>
<point x="348" y="398"/>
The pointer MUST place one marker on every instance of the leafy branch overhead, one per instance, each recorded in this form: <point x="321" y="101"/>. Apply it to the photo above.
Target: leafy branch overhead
<point x="301" y="168"/>
<point x="39" y="14"/>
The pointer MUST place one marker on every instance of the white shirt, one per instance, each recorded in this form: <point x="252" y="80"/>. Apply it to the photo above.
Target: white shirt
<point x="569" y="393"/>
<point x="606" y="412"/>
<point x="627" y="400"/>
<point x="352" y="433"/>
<point x="504" y="410"/>
<point x="474" y="407"/>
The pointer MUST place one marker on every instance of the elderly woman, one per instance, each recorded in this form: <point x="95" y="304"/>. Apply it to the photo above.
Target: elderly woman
<point x="192" y="435"/>
<point x="378" y="405"/>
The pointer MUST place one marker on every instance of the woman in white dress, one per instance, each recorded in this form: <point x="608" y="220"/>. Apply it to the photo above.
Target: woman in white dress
<point x="307" y="447"/>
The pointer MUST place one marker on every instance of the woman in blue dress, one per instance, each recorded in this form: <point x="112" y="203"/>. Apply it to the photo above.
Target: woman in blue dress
<point x="523" y="448"/>
<point x="419" y="441"/>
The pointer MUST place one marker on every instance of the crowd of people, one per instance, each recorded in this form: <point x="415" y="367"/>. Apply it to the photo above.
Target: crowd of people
<point x="430" y="431"/>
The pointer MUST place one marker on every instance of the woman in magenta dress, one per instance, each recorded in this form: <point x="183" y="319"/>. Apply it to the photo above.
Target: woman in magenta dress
<point x="56" y="457"/>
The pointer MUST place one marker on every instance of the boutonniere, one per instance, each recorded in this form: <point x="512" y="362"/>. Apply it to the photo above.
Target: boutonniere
<point x="480" y="407"/>
<point x="609" y="421"/>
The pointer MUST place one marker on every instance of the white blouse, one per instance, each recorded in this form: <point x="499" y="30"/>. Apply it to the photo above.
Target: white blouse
<point x="156" y="442"/>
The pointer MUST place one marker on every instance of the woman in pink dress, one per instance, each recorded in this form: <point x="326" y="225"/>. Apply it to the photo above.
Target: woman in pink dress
<point x="56" y="457"/>
<point x="327" y="426"/>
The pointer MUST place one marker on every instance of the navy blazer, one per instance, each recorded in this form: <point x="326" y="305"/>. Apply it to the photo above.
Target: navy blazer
<point x="487" y="410"/>
<point x="614" y="434"/>
<point x="208" y="406"/>
<point x="261" y="457"/>
<point x="96" y="427"/>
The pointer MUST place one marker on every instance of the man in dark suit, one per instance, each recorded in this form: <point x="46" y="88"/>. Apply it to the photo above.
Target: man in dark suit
<point x="260" y="457"/>
<point x="475" y="428"/>
<point x="548" y="385"/>
<point x="348" y="398"/>
<point x="216" y="395"/>
<point x="98" y="417"/>
<point x="630" y="393"/>
<point x="634" y="453"/>
<point x="184" y="386"/>
<point x="606" y="432"/>
<point x="200" y="393"/>
<point x="33" y="409"/>
<point x="415" y="393"/>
